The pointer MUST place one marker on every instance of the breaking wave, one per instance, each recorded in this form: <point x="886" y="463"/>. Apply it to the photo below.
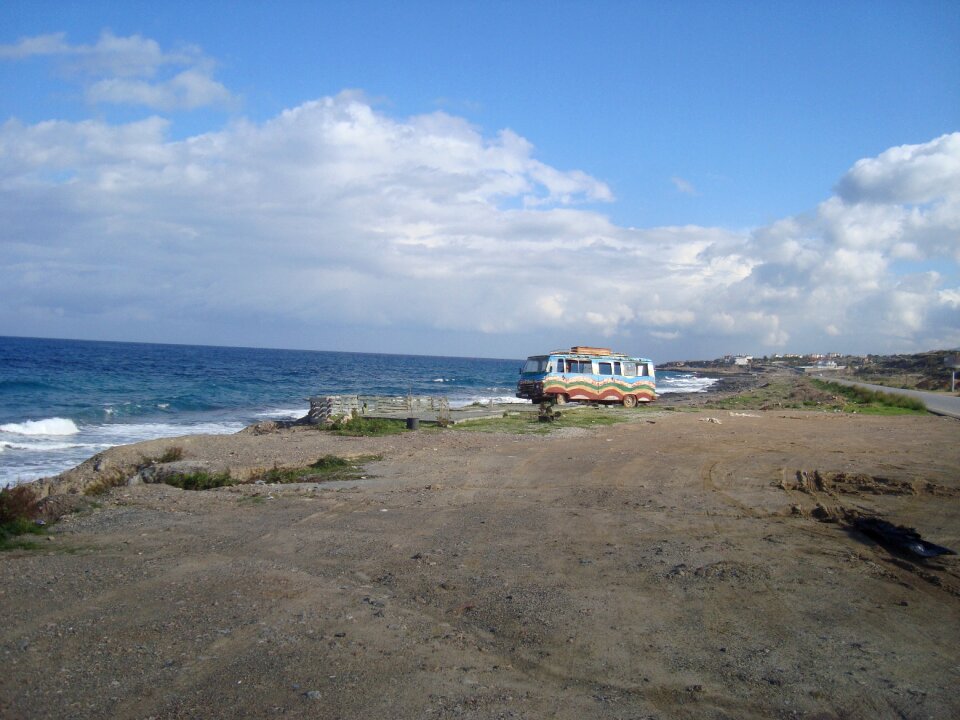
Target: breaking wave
<point x="683" y="383"/>
<point x="49" y="426"/>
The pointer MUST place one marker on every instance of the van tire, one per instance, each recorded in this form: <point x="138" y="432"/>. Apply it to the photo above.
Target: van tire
<point x="560" y="399"/>
<point x="629" y="401"/>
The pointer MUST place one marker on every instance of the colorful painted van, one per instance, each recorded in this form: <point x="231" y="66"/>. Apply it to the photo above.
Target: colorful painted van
<point x="587" y="373"/>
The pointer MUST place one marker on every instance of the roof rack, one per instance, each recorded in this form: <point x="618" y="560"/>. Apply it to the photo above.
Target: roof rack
<point x="587" y="350"/>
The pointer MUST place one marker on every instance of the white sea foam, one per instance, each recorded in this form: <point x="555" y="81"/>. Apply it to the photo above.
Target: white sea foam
<point x="284" y="413"/>
<point x="122" y="433"/>
<point x="49" y="426"/>
<point x="684" y="384"/>
<point x="41" y="446"/>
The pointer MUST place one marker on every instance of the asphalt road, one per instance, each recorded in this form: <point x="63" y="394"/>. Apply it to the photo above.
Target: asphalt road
<point x="936" y="402"/>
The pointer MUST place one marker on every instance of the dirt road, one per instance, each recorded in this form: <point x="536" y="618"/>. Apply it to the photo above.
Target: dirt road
<point x="664" y="569"/>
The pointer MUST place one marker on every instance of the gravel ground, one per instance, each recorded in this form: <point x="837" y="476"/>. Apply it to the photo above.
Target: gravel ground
<point x="672" y="568"/>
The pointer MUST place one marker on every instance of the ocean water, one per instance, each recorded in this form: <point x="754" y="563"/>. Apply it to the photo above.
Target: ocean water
<point x="62" y="401"/>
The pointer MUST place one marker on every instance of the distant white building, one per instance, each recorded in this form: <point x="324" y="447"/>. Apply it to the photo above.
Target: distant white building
<point x="738" y="359"/>
<point x="822" y="365"/>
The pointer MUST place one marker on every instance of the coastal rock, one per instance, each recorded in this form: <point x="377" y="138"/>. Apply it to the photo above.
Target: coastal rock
<point x="53" y="507"/>
<point x="164" y="471"/>
<point x="266" y="427"/>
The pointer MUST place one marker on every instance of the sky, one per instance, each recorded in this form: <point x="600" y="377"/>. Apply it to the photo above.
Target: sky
<point x="495" y="179"/>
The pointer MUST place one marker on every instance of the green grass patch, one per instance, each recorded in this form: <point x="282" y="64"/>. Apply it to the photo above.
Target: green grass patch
<point x="528" y="423"/>
<point x="776" y="394"/>
<point x="805" y="393"/>
<point x="200" y="480"/>
<point x="21" y="543"/>
<point x="873" y="402"/>
<point x="326" y="469"/>
<point x="359" y="426"/>
<point x="12" y="534"/>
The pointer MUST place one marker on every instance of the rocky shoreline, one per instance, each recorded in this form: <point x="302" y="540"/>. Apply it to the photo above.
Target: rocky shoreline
<point x="129" y="461"/>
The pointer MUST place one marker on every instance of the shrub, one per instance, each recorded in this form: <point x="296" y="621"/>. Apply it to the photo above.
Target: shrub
<point x="18" y="506"/>
<point x="110" y="479"/>
<point x="171" y="454"/>
<point x="19" y="501"/>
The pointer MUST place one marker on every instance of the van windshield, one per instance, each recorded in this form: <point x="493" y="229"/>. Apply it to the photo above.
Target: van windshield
<point x="535" y="365"/>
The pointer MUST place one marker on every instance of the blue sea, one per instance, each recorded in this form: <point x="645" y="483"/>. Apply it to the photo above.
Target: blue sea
<point x="62" y="401"/>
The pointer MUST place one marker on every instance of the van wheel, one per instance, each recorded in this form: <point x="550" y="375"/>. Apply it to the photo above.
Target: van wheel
<point x="629" y="401"/>
<point x="560" y="399"/>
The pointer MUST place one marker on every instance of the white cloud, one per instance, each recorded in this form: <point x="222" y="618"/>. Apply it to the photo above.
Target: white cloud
<point x="52" y="44"/>
<point x="131" y="70"/>
<point x="333" y="214"/>
<point x="950" y="297"/>
<point x="188" y="90"/>
<point x="684" y="186"/>
<point x="907" y="174"/>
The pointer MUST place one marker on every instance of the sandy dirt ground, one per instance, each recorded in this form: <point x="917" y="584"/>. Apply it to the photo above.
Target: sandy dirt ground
<point x="672" y="567"/>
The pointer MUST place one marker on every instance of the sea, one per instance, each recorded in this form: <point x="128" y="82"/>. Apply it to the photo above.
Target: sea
<point x="62" y="401"/>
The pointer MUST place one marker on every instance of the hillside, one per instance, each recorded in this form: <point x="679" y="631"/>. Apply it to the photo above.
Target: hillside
<point x="921" y="371"/>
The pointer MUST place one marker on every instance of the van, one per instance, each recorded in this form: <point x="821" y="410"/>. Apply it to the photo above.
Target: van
<point x="588" y="373"/>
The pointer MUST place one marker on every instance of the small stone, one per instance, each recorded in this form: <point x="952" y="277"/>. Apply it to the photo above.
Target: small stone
<point x="313" y="695"/>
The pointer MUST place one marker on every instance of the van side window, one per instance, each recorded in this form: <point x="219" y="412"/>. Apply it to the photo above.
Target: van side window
<point x="616" y="368"/>
<point x="605" y="368"/>
<point x="629" y="369"/>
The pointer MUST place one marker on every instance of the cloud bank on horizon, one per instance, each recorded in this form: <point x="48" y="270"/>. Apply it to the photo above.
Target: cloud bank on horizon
<point x="334" y="220"/>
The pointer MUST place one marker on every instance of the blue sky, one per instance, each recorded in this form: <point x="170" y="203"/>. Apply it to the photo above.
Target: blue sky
<point x="679" y="180"/>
